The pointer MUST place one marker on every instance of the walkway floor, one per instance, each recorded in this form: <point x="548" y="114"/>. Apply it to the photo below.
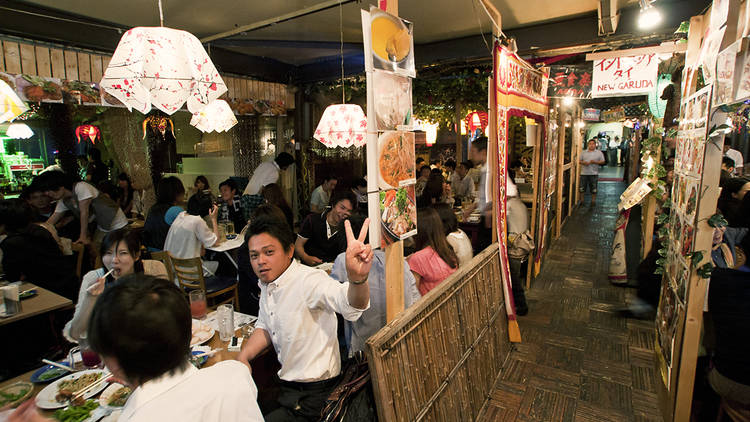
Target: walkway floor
<point x="579" y="361"/>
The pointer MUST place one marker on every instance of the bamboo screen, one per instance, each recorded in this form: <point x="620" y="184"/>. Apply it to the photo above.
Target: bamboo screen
<point x="438" y="360"/>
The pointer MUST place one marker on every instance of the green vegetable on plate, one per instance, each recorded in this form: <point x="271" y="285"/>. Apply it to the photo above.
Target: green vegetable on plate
<point x="76" y="413"/>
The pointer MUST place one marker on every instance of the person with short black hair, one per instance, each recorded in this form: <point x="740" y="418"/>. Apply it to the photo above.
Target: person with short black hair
<point x="126" y="193"/>
<point x="121" y="253"/>
<point x="96" y="170"/>
<point x="424" y="175"/>
<point x="463" y="185"/>
<point x="230" y="205"/>
<point x="321" y="196"/>
<point x="321" y="236"/>
<point x="591" y="160"/>
<point x="189" y="233"/>
<point x="85" y="202"/>
<point x="30" y="252"/>
<point x="478" y="155"/>
<point x="169" y="193"/>
<point x="40" y="203"/>
<point x="359" y="189"/>
<point x="727" y="170"/>
<point x="297" y="315"/>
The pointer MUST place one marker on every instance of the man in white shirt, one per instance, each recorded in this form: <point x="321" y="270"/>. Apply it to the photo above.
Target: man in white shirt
<point x="736" y="156"/>
<point x="266" y="173"/>
<point x="463" y="185"/>
<point x="85" y="202"/>
<point x="321" y="196"/>
<point x="297" y="315"/>
<point x="141" y="328"/>
<point x="189" y="233"/>
<point x="591" y="159"/>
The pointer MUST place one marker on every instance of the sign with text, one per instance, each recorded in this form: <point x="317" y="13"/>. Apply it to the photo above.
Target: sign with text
<point x="569" y="81"/>
<point x="592" y="114"/>
<point x="619" y="76"/>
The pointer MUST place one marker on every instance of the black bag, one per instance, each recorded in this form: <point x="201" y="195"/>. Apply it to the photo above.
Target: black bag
<point x="352" y="398"/>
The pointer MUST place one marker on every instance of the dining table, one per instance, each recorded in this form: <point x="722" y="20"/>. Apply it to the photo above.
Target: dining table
<point x="43" y="302"/>
<point x="264" y="366"/>
<point x="228" y="246"/>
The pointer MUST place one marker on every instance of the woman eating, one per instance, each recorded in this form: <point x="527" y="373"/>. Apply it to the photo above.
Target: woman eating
<point x="120" y="253"/>
<point x="456" y="237"/>
<point x="434" y="260"/>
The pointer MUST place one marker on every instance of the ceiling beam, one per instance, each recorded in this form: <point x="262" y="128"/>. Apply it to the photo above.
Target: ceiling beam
<point x="278" y="19"/>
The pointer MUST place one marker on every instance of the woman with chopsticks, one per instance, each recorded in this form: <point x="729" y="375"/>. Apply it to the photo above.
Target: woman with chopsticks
<point x="121" y="255"/>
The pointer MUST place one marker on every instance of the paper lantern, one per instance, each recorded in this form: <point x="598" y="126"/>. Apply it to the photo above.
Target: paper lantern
<point x="88" y="131"/>
<point x="19" y="131"/>
<point x="158" y="125"/>
<point x="342" y="125"/>
<point x="162" y="67"/>
<point x="215" y="117"/>
<point x="11" y="106"/>
<point x="476" y="120"/>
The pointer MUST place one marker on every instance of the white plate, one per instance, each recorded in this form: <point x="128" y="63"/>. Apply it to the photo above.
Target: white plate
<point x="46" y="398"/>
<point x="107" y="394"/>
<point x="202" y="332"/>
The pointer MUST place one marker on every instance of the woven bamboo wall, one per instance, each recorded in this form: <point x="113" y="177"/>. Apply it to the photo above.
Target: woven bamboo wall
<point x="438" y="360"/>
<point x="41" y="60"/>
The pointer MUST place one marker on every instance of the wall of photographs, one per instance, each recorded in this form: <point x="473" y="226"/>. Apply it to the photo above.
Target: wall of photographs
<point x="389" y="62"/>
<point x="686" y="191"/>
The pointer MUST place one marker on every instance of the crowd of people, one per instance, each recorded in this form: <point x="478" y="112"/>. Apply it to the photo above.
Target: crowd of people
<point x="296" y="303"/>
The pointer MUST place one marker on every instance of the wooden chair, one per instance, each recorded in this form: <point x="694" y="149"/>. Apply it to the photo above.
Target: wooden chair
<point x="79" y="250"/>
<point x="189" y="275"/>
<point x="163" y="257"/>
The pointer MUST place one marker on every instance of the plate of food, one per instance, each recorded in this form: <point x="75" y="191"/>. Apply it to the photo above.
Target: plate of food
<point x="399" y="212"/>
<point x="396" y="159"/>
<point x="15" y="393"/>
<point x="58" y="394"/>
<point x="49" y="373"/>
<point x="80" y="413"/>
<point x="202" y="332"/>
<point x="115" y="396"/>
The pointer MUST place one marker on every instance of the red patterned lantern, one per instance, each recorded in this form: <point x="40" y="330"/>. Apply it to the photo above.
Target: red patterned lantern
<point x="88" y="131"/>
<point x="476" y="120"/>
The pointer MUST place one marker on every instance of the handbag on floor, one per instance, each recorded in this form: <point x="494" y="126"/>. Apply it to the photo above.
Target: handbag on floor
<point x="352" y="398"/>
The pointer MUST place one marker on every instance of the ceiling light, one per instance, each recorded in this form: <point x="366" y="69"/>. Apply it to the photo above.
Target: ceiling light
<point x="649" y="17"/>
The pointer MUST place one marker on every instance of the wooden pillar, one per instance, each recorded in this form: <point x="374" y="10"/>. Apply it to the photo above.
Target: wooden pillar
<point x="394" y="253"/>
<point x="459" y="137"/>
<point x="560" y="172"/>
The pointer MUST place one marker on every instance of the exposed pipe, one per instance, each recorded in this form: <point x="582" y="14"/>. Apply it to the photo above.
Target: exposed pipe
<point x="278" y="19"/>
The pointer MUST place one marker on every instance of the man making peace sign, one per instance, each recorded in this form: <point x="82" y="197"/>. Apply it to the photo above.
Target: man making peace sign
<point x="298" y="306"/>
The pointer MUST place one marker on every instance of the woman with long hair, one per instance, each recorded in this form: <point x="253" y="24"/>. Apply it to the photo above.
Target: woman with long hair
<point x="273" y="195"/>
<point x="200" y="185"/>
<point x="434" y="260"/>
<point x="121" y="255"/>
<point x="456" y="237"/>
<point x="125" y="194"/>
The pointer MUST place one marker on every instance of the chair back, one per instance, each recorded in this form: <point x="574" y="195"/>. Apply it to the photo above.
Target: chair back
<point x="163" y="257"/>
<point x="78" y="249"/>
<point x="188" y="272"/>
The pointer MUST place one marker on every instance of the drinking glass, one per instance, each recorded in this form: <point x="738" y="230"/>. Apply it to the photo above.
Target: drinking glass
<point x="230" y="227"/>
<point x="89" y="357"/>
<point x="225" y="314"/>
<point x="198" y="304"/>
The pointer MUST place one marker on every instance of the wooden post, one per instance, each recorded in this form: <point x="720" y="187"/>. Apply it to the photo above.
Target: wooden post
<point x="459" y="138"/>
<point x="394" y="253"/>
<point x="649" y="216"/>
<point x="536" y="158"/>
<point x="560" y="172"/>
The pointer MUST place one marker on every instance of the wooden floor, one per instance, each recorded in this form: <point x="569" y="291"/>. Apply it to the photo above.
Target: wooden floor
<point x="579" y="361"/>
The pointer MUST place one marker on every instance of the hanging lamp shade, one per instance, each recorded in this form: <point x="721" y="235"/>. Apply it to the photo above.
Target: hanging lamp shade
<point x="11" y="106"/>
<point x="342" y="125"/>
<point x="163" y="68"/>
<point x="477" y="120"/>
<point x="215" y="117"/>
<point x="19" y="131"/>
<point x="88" y="131"/>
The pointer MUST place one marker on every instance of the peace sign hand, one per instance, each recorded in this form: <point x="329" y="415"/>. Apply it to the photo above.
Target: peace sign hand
<point x="358" y="255"/>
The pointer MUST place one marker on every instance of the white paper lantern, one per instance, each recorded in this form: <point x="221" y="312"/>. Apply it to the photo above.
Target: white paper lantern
<point x="342" y="125"/>
<point x="215" y="117"/>
<point x="19" y="131"/>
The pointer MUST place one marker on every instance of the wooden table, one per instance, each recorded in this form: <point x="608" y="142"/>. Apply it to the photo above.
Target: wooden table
<point x="45" y="301"/>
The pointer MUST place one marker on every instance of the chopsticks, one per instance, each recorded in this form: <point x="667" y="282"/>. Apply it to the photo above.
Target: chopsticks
<point x="209" y="353"/>
<point x="61" y="366"/>
<point x="91" y="288"/>
<point x="104" y="378"/>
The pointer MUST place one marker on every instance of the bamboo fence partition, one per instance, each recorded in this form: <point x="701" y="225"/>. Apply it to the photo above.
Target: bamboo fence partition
<point x="439" y="359"/>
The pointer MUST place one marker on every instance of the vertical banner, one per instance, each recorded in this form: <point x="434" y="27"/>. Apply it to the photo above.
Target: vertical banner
<point x="520" y="90"/>
<point x="391" y="173"/>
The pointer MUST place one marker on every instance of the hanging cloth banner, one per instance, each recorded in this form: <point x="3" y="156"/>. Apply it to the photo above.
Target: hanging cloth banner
<point x="619" y="76"/>
<point x="569" y="81"/>
<point x="520" y="90"/>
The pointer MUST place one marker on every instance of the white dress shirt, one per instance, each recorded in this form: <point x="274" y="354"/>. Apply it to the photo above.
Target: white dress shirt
<point x="223" y="392"/>
<point x="186" y="236"/>
<point x="266" y="173"/>
<point x="298" y="311"/>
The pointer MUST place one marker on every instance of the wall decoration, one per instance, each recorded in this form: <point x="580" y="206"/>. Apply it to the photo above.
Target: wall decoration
<point x="389" y="43"/>
<point x="569" y="81"/>
<point x="393" y="102"/>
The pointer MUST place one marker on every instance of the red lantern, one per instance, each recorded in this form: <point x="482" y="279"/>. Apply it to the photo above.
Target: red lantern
<point x="476" y="120"/>
<point x="90" y="131"/>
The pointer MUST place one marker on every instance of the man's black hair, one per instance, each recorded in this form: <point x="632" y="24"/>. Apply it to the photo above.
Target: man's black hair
<point x="15" y="214"/>
<point x="360" y="182"/>
<point x="329" y="176"/>
<point x="480" y="143"/>
<point x="728" y="162"/>
<point x="230" y="183"/>
<point x="468" y="165"/>
<point x="145" y="324"/>
<point x="284" y="160"/>
<point x="54" y="180"/>
<point x="420" y="160"/>
<point x="168" y="190"/>
<point x="200" y="204"/>
<point x="270" y="219"/>
<point x="424" y="167"/>
<point x="31" y="188"/>
<point x="450" y="163"/>
<point x="344" y="195"/>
